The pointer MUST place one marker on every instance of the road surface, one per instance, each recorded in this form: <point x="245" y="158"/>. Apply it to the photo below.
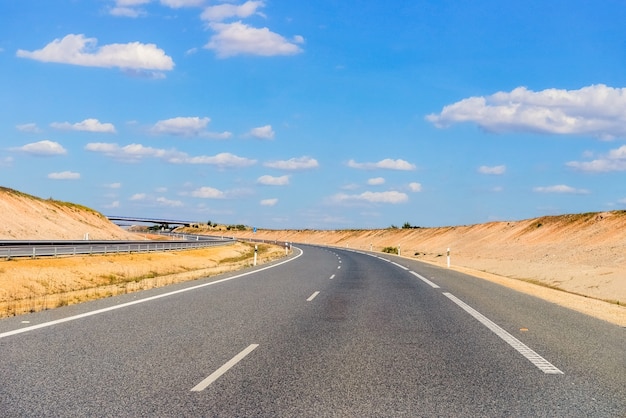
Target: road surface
<point x="327" y="332"/>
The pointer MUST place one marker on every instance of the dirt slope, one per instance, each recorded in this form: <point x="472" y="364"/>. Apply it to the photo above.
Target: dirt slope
<point x="583" y="254"/>
<point x="28" y="217"/>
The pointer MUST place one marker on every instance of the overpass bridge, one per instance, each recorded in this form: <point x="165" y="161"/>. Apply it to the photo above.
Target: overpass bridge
<point x="157" y="221"/>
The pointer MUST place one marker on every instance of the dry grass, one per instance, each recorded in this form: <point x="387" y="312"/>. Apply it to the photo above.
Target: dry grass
<point x="28" y="285"/>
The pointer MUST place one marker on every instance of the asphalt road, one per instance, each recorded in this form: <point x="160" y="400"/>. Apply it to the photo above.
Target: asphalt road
<point x="330" y="332"/>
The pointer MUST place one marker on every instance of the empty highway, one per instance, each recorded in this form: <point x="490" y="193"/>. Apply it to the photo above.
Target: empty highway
<point x="327" y="332"/>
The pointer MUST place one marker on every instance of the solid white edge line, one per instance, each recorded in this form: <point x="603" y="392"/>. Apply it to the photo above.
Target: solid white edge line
<point x="312" y="296"/>
<point x="227" y="366"/>
<point x="541" y="363"/>
<point x="425" y="280"/>
<point x="399" y="265"/>
<point x="135" y="302"/>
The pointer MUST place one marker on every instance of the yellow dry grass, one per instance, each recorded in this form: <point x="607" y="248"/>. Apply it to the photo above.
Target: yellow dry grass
<point x="30" y="285"/>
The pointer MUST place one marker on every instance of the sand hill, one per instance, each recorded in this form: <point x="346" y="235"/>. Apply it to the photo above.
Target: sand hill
<point x="583" y="254"/>
<point x="26" y="217"/>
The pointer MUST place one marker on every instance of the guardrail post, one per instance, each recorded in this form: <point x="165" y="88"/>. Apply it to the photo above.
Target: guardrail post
<point x="33" y="252"/>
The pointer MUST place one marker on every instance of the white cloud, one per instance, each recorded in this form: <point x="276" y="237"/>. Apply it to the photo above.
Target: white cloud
<point x="170" y="203"/>
<point x="262" y="132"/>
<point x="301" y="163"/>
<point x="188" y="127"/>
<point x="138" y="197"/>
<point x="415" y="187"/>
<point x="237" y="38"/>
<point x="273" y="181"/>
<point x="560" y="189"/>
<point x="492" y="170"/>
<point x="79" y="50"/>
<point x="387" y="164"/>
<point x="615" y="160"/>
<point x="88" y="125"/>
<point x="6" y="161"/>
<point x="113" y="185"/>
<point x="177" y="4"/>
<point x="64" y="175"/>
<point x="225" y="11"/>
<point x="208" y="193"/>
<point x="222" y="160"/>
<point x="129" y="153"/>
<point x="596" y="110"/>
<point x="137" y="152"/>
<point x="392" y="197"/>
<point x="269" y="202"/>
<point x="113" y="205"/>
<point x="376" y="181"/>
<point x="29" y="127"/>
<point x="43" y="148"/>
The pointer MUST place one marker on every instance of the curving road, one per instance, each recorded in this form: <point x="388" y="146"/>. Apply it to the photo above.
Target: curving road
<point x="328" y="332"/>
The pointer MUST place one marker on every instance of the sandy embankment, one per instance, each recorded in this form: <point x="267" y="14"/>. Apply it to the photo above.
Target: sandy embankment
<point x="584" y="256"/>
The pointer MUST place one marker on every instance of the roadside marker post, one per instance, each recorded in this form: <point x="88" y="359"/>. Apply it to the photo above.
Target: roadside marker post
<point x="256" y="249"/>
<point x="448" y="257"/>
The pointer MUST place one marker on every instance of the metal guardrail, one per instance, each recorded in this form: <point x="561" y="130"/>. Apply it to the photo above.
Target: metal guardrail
<point x="34" y="249"/>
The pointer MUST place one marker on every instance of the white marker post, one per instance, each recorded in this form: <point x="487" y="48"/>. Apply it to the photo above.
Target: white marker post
<point x="399" y="252"/>
<point x="256" y="248"/>
<point x="448" y="257"/>
<point x="286" y="248"/>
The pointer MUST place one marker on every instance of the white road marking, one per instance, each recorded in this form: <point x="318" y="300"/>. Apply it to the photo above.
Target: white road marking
<point x="135" y="302"/>
<point x="541" y="363"/>
<point x="312" y="296"/>
<point x="227" y="366"/>
<point x="425" y="280"/>
<point x="399" y="265"/>
<point x="338" y="267"/>
<point x="332" y="277"/>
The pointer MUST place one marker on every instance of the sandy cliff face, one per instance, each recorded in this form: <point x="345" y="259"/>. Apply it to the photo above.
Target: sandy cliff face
<point x="27" y="217"/>
<point x="584" y="253"/>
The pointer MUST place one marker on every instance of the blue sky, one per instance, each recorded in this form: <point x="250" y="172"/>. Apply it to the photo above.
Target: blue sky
<point x="327" y="114"/>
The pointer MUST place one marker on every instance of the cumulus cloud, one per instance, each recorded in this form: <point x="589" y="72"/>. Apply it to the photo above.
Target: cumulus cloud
<point x="64" y="175"/>
<point x="268" y="202"/>
<point x="42" y="148"/>
<point x="560" y="189"/>
<point x="131" y="152"/>
<point x="29" y="127"/>
<point x="300" y="163"/>
<point x="137" y="152"/>
<point x="138" y="197"/>
<point x="596" y="110"/>
<point x="392" y="197"/>
<point x="376" y="181"/>
<point x="237" y="38"/>
<point x="262" y="132"/>
<point x="615" y="160"/>
<point x="80" y="50"/>
<point x="221" y="160"/>
<point x="113" y="185"/>
<point x="415" y="187"/>
<point x="208" y="193"/>
<point x="188" y="127"/>
<point x="225" y="11"/>
<point x="387" y="164"/>
<point x="88" y="125"/>
<point x="162" y="201"/>
<point x="273" y="181"/>
<point x="492" y="170"/>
